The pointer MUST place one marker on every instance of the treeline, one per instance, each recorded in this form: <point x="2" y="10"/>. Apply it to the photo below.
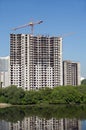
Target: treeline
<point x="57" y="95"/>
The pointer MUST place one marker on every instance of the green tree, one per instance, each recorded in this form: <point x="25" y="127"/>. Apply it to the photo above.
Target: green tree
<point x="13" y="94"/>
<point x="30" y="97"/>
<point x="83" y="82"/>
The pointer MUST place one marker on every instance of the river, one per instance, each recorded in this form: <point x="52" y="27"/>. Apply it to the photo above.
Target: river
<point x="47" y="117"/>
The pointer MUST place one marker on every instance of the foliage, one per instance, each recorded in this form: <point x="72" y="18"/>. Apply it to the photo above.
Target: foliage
<point x="83" y="82"/>
<point x="57" y="95"/>
<point x="12" y="94"/>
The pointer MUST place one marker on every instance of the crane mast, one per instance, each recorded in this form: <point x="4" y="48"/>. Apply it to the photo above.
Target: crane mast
<point x="31" y="24"/>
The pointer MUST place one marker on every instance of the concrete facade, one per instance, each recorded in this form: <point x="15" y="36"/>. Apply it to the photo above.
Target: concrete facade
<point x="71" y="73"/>
<point x="5" y="71"/>
<point x="35" y="61"/>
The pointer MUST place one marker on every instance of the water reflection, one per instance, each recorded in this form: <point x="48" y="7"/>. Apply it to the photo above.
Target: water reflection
<point x="38" y="118"/>
<point x="36" y="123"/>
<point x="4" y="125"/>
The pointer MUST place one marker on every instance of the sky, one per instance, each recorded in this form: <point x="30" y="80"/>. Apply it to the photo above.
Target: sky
<point x="65" y="18"/>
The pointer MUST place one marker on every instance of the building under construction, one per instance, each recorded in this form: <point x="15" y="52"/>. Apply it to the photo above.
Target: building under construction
<point x="35" y="61"/>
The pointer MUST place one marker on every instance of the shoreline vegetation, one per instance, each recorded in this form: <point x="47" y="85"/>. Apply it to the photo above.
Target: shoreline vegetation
<point x="58" y="95"/>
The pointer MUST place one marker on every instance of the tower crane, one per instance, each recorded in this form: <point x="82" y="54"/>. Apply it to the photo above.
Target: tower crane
<point x="31" y="24"/>
<point x="67" y="34"/>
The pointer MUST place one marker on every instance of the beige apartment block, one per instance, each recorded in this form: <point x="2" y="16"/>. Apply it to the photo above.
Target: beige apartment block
<point x="35" y="61"/>
<point x="71" y="73"/>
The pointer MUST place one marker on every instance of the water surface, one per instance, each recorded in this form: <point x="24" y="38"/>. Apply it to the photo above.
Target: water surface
<point x="50" y="117"/>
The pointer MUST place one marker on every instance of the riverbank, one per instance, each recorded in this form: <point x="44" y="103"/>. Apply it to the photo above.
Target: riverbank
<point x="3" y="105"/>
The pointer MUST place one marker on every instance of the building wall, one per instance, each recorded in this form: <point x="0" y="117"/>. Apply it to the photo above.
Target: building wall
<point x="71" y="73"/>
<point x="36" y="61"/>
<point x="5" y="71"/>
<point x="15" y="60"/>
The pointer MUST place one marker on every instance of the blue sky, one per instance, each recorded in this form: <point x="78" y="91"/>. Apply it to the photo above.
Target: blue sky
<point x="66" y="18"/>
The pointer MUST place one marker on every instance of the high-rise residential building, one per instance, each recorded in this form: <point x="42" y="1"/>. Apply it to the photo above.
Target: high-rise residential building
<point x="4" y="71"/>
<point x="35" y="61"/>
<point x="71" y="73"/>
